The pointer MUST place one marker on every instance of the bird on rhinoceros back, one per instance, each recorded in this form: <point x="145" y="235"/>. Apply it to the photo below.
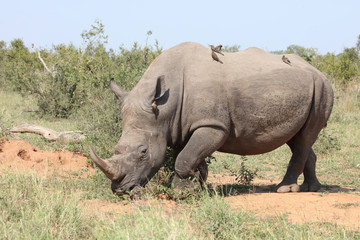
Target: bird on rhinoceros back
<point x="154" y="108"/>
<point x="215" y="57"/>
<point x="286" y="60"/>
<point x="216" y="49"/>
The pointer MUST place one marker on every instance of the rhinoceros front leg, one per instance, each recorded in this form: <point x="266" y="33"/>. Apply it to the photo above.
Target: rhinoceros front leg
<point x="190" y="166"/>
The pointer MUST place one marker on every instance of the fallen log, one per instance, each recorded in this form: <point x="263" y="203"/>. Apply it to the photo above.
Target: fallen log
<point x="48" y="134"/>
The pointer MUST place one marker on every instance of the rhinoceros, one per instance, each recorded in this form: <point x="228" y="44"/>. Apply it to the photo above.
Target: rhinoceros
<point x="251" y="104"/>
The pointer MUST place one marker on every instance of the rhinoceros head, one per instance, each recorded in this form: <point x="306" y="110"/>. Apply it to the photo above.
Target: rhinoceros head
<point x="141" y="149"/>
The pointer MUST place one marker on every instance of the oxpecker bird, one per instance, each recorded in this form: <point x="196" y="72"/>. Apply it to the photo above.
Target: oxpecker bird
<point x="215" y="57"/>
<point x="216" y="49"/>
<point x="154" y="108"/>
<point x="286" y="60"/>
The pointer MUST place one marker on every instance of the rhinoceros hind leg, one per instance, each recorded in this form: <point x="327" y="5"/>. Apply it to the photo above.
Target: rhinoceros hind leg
<point x="303" y="160"/>
<point x="300" y="149"/>
<point x="311" y="183"/>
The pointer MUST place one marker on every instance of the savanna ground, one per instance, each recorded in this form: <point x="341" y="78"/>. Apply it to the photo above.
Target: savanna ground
<point x="48" y="192"/>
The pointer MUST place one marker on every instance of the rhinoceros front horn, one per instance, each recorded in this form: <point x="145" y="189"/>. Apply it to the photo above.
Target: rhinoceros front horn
<point x="103" y="165"/>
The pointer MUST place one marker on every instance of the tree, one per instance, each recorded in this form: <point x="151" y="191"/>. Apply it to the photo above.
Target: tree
<point x="351" y="53"/>
<point x="306" y="53"/>
<point x="232" y="48"/>
<point x="94" y="38"/>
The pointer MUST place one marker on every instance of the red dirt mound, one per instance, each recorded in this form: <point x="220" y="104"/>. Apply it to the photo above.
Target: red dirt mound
<point x="19" y="155"/>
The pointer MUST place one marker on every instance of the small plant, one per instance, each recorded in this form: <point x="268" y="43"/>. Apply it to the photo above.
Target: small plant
<point x="244" y="175"/>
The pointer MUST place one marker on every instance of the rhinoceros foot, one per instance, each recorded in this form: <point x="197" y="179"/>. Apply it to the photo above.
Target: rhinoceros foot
<point x="312" y="187"/>
<point x="201" y="173"/>
<point x="191" y="186"/>
<point x="136" y="193"/>
<point x="184" y="188"/>
<point x="288" y="188"/>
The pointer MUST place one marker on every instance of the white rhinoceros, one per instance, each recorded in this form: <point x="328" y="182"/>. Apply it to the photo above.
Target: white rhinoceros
<point x="251" y="104"/>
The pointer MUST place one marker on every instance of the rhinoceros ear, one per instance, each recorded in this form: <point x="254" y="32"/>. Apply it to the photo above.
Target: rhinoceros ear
<point x="160" y="87"/>
<point x="120" y="94"/>
<point x="158" y="95"/>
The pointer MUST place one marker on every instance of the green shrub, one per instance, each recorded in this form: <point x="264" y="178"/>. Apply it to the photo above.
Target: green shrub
<point x="244" y="175"/>
<point x="72" y="74"/>
<point x="19" y="67"/>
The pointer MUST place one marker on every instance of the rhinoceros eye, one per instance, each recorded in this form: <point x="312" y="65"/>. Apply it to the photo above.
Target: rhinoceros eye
<point x="143" y="151"/>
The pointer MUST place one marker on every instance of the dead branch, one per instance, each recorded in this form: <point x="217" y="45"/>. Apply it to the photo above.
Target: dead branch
<point x="53" y="73"/>
<point x="48" y="134"/>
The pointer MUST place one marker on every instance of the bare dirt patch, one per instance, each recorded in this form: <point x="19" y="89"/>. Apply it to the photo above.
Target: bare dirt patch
<point x="335" y="205"/>
<point x="21" y="156"/>
<point x="339" y="208"/>
<point x="340" y="205"/>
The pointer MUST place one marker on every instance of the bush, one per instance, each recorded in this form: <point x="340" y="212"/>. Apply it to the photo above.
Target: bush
<point x="62" y="82"/>
<point x="19" y="67"/>
<point x="244" y="175"/>
<point x="342" y="68"/>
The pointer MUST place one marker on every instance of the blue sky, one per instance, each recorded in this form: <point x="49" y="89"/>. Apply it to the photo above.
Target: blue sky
<point x="328" y="25"/>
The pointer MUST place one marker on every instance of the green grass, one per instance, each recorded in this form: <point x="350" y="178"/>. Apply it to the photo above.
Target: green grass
<point x="32" y="210"/>
<point x="38" y="208"/>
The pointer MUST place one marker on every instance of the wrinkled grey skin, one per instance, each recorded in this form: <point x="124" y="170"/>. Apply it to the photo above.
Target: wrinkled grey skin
<point x="251" y="104"/>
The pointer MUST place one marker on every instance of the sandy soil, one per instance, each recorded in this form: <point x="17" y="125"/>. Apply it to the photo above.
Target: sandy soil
<point x="339" y="208"/>
<point x="21" y="156"/>
<point x="342" y="207"/>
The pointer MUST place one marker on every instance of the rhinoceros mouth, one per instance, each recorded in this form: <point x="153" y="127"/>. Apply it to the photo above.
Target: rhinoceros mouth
<point x="126" y="187"/>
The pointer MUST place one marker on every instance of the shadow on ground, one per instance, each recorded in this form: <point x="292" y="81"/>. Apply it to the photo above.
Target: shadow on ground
<point x="239" y="189"/>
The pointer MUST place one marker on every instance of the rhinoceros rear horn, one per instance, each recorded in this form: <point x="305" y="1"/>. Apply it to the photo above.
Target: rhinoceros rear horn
<point x="103" y="165"/>
<point x="120" y="94"/>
